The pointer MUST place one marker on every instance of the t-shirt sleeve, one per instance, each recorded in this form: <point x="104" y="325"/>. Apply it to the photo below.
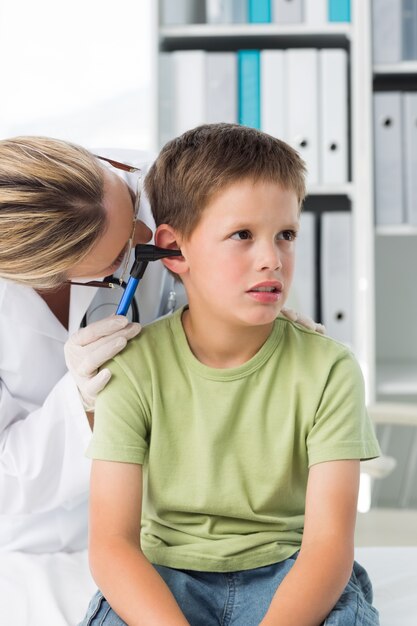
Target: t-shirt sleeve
<point x="342" y="428"/>
<point x="121" y="422"/>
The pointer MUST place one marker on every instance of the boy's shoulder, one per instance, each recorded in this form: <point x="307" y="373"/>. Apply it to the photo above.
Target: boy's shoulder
<point x="312" y="352"/>
<point x="299" y="336"/>
<point x="158" y="332"/>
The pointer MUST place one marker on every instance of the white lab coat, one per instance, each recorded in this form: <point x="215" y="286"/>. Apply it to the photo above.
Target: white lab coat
<point x="44" y="474"/>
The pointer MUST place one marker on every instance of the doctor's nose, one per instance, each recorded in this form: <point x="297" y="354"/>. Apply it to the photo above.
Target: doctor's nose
<point x="142" y="234"/>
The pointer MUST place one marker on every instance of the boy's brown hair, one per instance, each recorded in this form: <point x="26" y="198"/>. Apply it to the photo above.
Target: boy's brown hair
<point x="195" y="166"/>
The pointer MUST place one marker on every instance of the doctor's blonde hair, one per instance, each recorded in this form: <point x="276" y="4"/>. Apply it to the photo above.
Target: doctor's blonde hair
<point x="51" y="209"/>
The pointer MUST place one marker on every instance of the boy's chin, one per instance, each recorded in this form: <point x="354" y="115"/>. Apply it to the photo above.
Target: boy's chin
<point x="262" y="318"/>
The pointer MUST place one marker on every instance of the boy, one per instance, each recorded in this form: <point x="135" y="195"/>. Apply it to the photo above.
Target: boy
<point x="242" y="430"/>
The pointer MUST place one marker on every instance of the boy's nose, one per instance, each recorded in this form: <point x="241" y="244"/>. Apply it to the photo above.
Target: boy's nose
<point x="269" y="258"/>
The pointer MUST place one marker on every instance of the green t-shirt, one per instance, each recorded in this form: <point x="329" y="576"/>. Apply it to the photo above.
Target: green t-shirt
<point x="226" y="452"/>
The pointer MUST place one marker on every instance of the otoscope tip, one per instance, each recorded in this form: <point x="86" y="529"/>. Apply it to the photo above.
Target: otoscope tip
<point x="148" y="252"/>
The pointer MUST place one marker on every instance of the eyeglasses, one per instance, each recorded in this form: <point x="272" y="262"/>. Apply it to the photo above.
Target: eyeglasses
<point x="109" y="282"/>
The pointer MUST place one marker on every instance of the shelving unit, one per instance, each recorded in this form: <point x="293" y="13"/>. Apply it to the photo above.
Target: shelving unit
<point x="369" y="243"/>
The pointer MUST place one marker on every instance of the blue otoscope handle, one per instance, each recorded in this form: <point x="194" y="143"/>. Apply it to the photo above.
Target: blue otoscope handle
<point x="143" y="254"/>
<point x="127" y="297"/>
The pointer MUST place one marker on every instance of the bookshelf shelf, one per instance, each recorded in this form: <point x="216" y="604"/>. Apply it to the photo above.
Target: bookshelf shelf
<point x="346" y="189"/>
<point x="405" y="68"/>
<point x="400" y="230"/>
<point x="254" y="30"/>
<point x="230" y="36"/>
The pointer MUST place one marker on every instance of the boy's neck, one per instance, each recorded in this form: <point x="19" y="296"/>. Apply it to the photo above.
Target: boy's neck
<point x="219" y="345"/>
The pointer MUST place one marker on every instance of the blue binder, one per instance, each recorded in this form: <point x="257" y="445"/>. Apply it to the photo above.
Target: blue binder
<point x="339" y="10"/>
<point x="249" y="88"/>
<point x="259" y="11"/>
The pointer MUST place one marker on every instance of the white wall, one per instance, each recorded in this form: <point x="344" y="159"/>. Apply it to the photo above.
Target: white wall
<point x="79" y="71"/>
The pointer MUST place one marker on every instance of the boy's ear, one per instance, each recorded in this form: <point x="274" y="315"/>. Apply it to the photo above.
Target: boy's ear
<point x="166" y="237"/>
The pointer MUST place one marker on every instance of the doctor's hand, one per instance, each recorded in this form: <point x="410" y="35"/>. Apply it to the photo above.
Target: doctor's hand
<point x="304" y="320"/>
<point x="89" y="348"/>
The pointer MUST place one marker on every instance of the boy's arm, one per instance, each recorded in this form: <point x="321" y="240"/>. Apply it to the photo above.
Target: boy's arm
<point x="130" y="584"/>
<point x="323" y="567"/>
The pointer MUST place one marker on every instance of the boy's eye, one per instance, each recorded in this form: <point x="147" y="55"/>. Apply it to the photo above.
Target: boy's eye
<point x="288" y="235"/>
<point x="241" y="235"/>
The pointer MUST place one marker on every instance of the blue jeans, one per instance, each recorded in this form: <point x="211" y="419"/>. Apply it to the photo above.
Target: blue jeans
<point x="242" y="598"/>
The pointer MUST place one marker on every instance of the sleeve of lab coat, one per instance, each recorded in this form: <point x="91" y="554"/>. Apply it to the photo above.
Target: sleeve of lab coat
<point x="42" y="453"/>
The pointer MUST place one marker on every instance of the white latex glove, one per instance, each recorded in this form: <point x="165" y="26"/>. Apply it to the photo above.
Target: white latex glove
<point x="304" y="320"/>
<point x="90" y="347"/>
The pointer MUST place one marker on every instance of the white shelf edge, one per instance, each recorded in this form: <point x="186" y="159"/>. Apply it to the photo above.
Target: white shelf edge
<point x="396" y="378"/>
<point x="345" y="189"/>
<point x="403" y="68"/>
<point x="393" y="413"/>
<point x="253" y="30"/>
<point x="396" y="230"/>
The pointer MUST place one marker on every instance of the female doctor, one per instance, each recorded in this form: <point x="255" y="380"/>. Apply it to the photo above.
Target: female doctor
<point x="66" y="216"/>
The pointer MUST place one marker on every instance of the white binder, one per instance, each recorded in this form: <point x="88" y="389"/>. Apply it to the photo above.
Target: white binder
<point x="409" y="30"/>
<point x="315" y="12"/>
<point x="189" y="89"/>
<point x="386" y="36"/>
<point x="182" y="12"/>
<point x="226" y="11"/>
<point x="273" y="116"/>
<point x="166" y="102"/>
<point x="302" y="107"/>
<point x="410" y="156"/>
<point x="287" y="11"/>
<point x="388" y="166"/>
<point x="336" y="274"/>
<point x="302" y="296"/>
<point x="333" y="102"/>
<point x="221" y="87"/>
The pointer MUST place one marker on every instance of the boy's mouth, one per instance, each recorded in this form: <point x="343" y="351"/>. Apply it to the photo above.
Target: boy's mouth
<point x="266" y="287"/>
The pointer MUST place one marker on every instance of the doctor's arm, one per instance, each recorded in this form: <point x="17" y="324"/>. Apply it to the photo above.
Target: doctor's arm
<point x="42" y="461"/>
<point x="323" y="567"/>
<point x="42" y="449"/>
<point x="130" y="584"/>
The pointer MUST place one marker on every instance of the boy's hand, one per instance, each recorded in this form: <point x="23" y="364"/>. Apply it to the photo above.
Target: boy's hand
<point x="304" y="320"/>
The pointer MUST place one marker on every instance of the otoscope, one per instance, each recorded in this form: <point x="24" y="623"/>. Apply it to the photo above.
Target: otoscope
<point x="144" y="253"/>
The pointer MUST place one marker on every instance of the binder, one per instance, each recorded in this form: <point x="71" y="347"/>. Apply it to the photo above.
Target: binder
<point x="315" y="12"/>
<point x="240" y="11"/>
<point x="410" y="156"/>
<point x="388" y="158"/>
<point x="166" y="102"/>
<point x="226" y="11"/>
<point x="217" y="11"/>
<point x="333" y="103"/>
<point x="189" y="89"/>
<point x="302" y="296"/>
<point x="249" y="88"/>
<point x="287" y="11"/>
<point x="387" y="37"/>
<point x="273" y="117"/>
<point x="302" y="107"/>
<point x="221" y="105"/>
<point x="182" y="12"/>
<point x="259" y="11"/>
<point x="339" y="10"/>
<point x="336" y="274"/>
<point x="409" y="30"/>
